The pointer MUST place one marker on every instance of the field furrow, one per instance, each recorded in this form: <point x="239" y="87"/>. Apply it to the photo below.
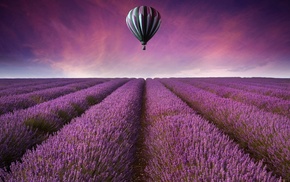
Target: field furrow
<point x="181" y="146"/>
<point x="14" y="83"/>
<point x="98" y="146"/>
<point x="275" y="83"/>
<point x="22" y="101"/>
<point x="279" y="92"/>
<point x="266" y="103"/>
<point x="127" y="129"/>
<point x="23" y="129"/>
<point x="26" y="88"/>
<point x="265" y="135"/>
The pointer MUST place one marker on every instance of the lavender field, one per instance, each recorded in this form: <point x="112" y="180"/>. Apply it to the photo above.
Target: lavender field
<point x="162" y="129"/>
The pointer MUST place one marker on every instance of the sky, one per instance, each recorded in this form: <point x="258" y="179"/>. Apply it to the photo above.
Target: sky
<point x="196" y="38"/>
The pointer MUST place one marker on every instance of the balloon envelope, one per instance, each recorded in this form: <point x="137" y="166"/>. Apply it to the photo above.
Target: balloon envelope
<point x="143" y="22"/>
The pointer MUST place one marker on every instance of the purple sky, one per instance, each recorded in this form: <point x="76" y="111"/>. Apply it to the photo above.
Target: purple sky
<point x="89" y="38"/>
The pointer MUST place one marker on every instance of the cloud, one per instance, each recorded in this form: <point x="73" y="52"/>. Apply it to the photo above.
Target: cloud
<point x="90" y="38"/>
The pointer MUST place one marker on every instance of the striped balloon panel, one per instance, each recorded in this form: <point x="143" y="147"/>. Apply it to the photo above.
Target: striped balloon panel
<point x="143" y="22"/>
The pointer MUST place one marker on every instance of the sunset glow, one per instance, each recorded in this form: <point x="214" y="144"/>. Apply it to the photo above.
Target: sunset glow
<point x="74" y="38"/>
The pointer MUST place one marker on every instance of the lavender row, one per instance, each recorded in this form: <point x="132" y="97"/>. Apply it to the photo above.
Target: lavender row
<point x="98" y="146"/>
<point x="267" y="103"/>
<point x="23" y="129"/>
<point x="263" y="88"/>
<point x="275" y="83"/>
<point x="9" y="83"/>
<point x="184" y="147"/>
<point x="22" y="101"/>
<point x="265" y="135"/>
<point x="270" y="82"/>
<point x="30" y="88"/>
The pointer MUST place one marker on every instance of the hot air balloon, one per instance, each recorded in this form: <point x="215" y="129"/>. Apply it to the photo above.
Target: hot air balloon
<point x="143" y="22"/>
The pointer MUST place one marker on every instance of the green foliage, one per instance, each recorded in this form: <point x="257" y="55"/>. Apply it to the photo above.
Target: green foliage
<point x="7" y="159"/>
<point x="64" y="116"/>
<point x="78" y="108"/>
<point x="41" y="124"/>
<point x="92" y="100"/>
<point x="37" y="99"/>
